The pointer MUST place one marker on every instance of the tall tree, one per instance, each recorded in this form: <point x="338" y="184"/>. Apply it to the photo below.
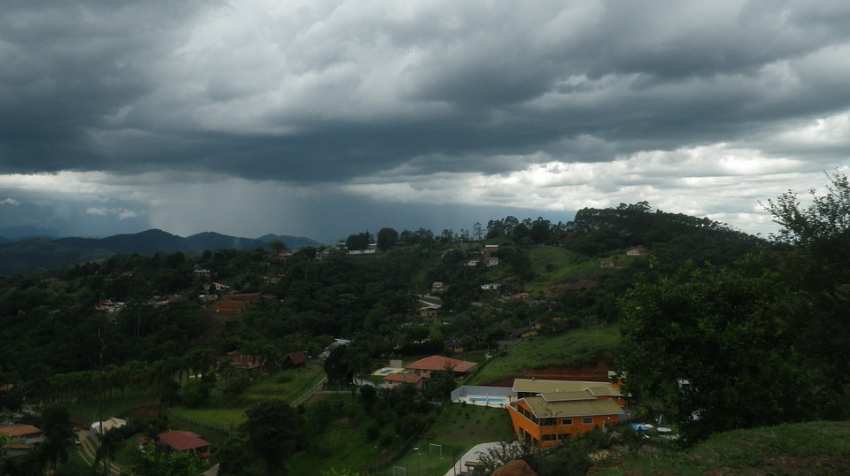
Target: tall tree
<point x="387" y="238"/>
<point x="273" y="429"/>
<point x="58" y="435"/>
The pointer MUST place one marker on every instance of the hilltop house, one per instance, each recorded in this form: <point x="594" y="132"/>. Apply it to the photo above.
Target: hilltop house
<point x="235" y="304"/>
<point x="296" y="359"/>
<point x="23" y="438"/>
<point x="244" y="361"/>
<point x="544" y="412"/>
<point x="108" y="425"/>
<point x="184" y="442"/>
<point x="638" y="251"/>
<point x="439" y="363"/>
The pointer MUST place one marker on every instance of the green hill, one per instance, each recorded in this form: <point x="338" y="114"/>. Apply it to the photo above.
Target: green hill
<point x="574" y="348"/>
<point x="818" y="447"/>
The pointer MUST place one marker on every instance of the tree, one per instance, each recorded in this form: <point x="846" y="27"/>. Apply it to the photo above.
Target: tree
<point x="58" y="435"/>
<point x="273" y="430"/>
<point x="387" y="238"/>
<point x="477" y="231"/>
<point x="155" y="462"/>
<point x="828" y="216"/>
<point x="358" y="241"/>
<point x="713" y="349"/>
<point x="277" y="246"/>
<point x="338" y="366"/>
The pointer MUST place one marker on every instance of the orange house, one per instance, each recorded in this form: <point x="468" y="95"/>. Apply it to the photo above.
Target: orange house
<point x="544" y="412"/>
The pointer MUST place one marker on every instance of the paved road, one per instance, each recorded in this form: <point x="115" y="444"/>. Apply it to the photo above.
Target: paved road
<point x="309" y="393"/>
<point x="471" y="455"/>
<point x="88" y="450"/>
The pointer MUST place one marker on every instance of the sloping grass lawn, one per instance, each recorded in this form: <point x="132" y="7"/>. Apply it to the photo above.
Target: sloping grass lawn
<point x="553" y="265"/>
<point x="223" y="419"/>
<point x="811" y="448"/>
<point x="457" y="429"/>
<point x="285" y="385"/>
<point x="342" y="444"/>
<point x="573" y="348"/>
<point x="88" y="411"/>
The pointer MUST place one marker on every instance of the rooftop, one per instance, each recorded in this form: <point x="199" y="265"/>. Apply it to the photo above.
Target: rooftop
<point x="543" y="409"/>
<point x="437" y="363"/>
<point x="182" y="440"/>
<point x="404" y="378"/>
<point x="596" y="389"/>
<point x="17" y="431"/>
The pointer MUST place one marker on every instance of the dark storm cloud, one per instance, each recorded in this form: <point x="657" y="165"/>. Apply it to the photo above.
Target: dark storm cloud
<point x="327" y="91"/>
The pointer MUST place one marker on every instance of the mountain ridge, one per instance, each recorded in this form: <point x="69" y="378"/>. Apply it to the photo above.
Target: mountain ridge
<point x="35" y="254"/>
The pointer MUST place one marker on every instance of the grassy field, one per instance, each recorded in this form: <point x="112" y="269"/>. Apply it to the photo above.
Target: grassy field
<point x="553" y="265"/>
<point x="87" y="411"/>
<point x="573" y="348"/>
<point x="792" y="449"/>
<point x="457" y="429"/>
<point x="342" y="445"/>
<point x="286" y="385"/>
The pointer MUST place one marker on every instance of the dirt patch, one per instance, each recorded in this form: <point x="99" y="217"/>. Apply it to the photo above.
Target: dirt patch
<point x="589" y="374"/>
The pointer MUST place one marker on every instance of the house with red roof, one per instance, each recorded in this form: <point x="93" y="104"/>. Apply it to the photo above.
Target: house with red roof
<point x="439" y="363"/>
<point x="394" y="380"/>
<point x="296" y="359"/>
<point x="184" y="442"/>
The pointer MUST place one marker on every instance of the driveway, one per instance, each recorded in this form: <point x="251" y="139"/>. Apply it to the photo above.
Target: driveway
<point x="472" y="455"/>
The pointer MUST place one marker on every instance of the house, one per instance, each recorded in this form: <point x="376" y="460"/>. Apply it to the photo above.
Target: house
<point x="492" y="261"/>
<point x="245" y="361"/>
<point x="520" y="297"/>
<point x="439" y="363"/>
<point x="202" y="273"/>
<point x="22" y="434"/>
<point x="235" y="304"/>
<point x="333" y="345"/>
<point x="394" y="380"/>
<point x="638" y="251"/>
<point x="296" y="359"/>
<point x="108" y="425"/>
<point x="184" y="442"/>
<point x="437" y="287"/>
<point x="545" y="412"/>
<point x="490" y="250"/>
<point x="490" y="286"/>
<point x="23" y="439"/>
<point x="219" y="287"/>
<point x="472" y="263"/>
<point x="429" y="308"/>
<point x="109" y="306"/>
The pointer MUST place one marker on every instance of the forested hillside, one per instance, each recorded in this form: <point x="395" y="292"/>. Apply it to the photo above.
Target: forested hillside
<point x="710" y="328"/>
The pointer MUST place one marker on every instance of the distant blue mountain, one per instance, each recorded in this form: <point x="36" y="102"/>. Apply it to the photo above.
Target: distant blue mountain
<point x="25" y="255"/>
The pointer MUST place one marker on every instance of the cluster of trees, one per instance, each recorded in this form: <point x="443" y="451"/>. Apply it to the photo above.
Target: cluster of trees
<point x="55" y="424"/>
<point x="753" y="342"/>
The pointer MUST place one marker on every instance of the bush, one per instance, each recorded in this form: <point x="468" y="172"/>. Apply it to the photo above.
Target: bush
<point x="373" y="432"/>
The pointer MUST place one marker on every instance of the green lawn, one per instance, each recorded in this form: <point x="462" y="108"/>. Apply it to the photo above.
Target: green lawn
<point x="573" y="348"/>
<point x="285" y="385"/>
<point x="553" y="265"/>
<point x="223" y="419"/>
<point x="88" y="411"/>
<point x="799" y="449"/>
<point x="342" y="445"/>
<point x="457" y="429"/>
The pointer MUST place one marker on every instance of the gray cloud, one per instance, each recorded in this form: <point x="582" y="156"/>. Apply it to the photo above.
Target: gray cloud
<point x="402" y="101"/>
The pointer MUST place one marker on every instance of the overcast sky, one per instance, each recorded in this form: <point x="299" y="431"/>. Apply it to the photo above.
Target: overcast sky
<point x="321" y="117"/>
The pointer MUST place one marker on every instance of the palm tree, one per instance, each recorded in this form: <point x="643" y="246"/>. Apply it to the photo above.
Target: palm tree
<point x="109" y="442"/>
<point x="58" y="436"/>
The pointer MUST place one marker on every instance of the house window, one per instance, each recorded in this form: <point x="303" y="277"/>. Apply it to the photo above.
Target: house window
<point x="567" y="421"/>
<point x="587" y="420"/>
<point x="550" y="437"/>
<point x="548" y="421"/>
<point x="564" y="436"/>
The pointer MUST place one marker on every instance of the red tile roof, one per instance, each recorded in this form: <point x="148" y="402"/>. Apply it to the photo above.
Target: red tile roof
<point x="297" y="358"/>
<point x="404" y="378"/>
<point x="438" y="363"/>
<point x="17" y="431"/>
<point x="182" y="440"/>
